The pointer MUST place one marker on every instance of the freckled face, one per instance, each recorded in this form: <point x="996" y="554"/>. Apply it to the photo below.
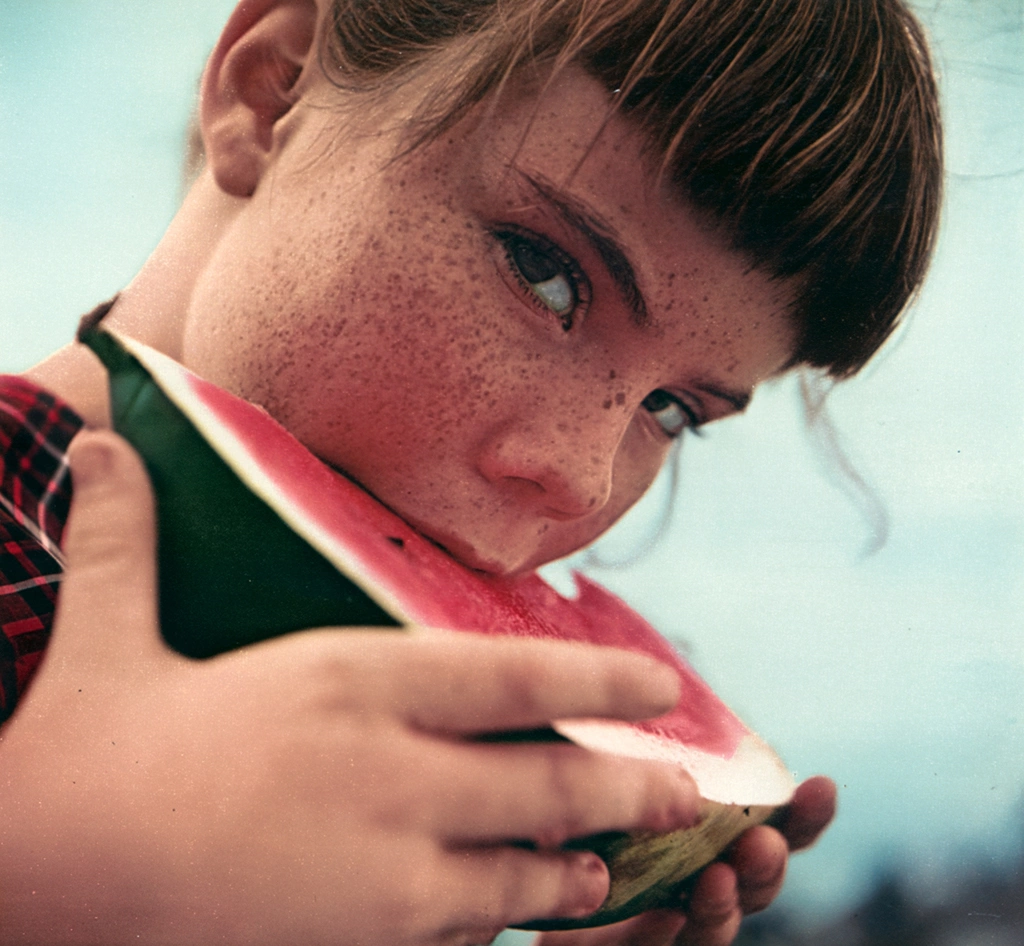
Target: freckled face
<point x="500" y="335"/>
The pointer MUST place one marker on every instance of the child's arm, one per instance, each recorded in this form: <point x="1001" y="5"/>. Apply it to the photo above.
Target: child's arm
<point x="315" y="788"/>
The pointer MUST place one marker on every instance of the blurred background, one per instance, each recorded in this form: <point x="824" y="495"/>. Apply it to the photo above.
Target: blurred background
<point x="899" y="671"/>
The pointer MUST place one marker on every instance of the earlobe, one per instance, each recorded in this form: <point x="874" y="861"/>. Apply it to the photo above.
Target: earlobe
<point x="250" y="83"/>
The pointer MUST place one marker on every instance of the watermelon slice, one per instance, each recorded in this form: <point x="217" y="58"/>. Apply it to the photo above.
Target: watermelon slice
<point x="258" y="537"/>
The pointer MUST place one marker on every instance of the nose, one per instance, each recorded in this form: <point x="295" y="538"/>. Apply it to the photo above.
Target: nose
<point x="561" y="473"/>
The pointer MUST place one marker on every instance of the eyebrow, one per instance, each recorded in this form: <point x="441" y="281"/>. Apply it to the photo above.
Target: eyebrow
<point x="602" y="237"/>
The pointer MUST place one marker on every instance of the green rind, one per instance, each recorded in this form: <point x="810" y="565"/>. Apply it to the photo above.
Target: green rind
<point x="231" y="572"/>
<point x="656" y="871"/>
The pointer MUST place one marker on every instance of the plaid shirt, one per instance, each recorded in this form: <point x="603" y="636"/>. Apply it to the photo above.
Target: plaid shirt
<point x="35" y="494"/>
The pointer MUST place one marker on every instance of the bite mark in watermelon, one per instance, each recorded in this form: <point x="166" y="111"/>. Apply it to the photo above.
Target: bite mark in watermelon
<point x="258" y="537"/>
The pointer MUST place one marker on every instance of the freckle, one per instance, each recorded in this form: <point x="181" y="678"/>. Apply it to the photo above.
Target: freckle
<point x="611" y="375"/>
<point x="607" y="405"/>
<point x="592" y="503"/>
<point x="620" y="398"/>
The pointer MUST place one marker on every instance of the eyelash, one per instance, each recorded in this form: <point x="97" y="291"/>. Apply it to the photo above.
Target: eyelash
<point x="516" y="239"/>
<point x="666" y="398"/>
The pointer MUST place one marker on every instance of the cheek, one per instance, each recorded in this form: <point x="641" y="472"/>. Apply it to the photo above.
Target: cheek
<point x="406" y="354"/>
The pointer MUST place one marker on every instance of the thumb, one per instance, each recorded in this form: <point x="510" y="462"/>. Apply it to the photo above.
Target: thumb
<point x="106" y="613"/>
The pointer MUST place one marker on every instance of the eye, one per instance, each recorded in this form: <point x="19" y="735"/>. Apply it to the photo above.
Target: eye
<point x="547" y="272"/>
<point x="671" y="414"/>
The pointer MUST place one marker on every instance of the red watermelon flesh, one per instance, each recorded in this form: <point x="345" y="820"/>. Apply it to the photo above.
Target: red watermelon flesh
<point x="406" y="573"/>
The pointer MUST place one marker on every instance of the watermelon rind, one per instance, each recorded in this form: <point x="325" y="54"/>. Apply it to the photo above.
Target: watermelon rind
<point x="218" y="542"/>
<point x="240" y="562"/>
<point x="655" y="871"/>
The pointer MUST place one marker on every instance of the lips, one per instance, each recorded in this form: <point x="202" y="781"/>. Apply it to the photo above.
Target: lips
<point x="462" y="551"/>
<point x="449" y="543"/>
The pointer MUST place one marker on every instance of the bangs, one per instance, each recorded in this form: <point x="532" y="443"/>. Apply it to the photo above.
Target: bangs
<point x="806" y="132"/>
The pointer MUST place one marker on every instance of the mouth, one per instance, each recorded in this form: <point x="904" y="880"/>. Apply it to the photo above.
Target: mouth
<point x="449" y="543"/>
<point x="464" y="553"/>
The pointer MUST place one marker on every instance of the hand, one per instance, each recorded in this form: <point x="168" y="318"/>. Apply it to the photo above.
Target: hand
<point x="744" y="882"/>
<point x="318" y="788"/>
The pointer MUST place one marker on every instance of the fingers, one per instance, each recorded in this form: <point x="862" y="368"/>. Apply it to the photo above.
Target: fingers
<point x="756" y="869"/>
<point x="109" y="589"/>
<point x="809" y="813"/>
<point x="759" y="858"/>
<point x="724" y="892"/>
<point x="654" y="928"/>
<point x="508" y="886"/>
<point x="549" y="793"/>
<point x="721" y="897"/>
<point x="443" y="686"/>
<point x="454" y="684"/>
<point x="471" y="683"/>
<point x="715" y="914"/>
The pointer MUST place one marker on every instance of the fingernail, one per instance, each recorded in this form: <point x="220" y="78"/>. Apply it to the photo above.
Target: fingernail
<point x="592" y="876"/>
<point x="680" y="817"/>
<point x="685" y="809"/>
<point x="91" y="459"/>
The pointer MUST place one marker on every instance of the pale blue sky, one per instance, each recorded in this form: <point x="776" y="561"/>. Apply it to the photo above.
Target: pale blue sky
<point x="900" y="674"/>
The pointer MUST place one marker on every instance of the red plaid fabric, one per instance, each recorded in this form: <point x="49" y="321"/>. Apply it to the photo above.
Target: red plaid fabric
<point x="35" y="494"/>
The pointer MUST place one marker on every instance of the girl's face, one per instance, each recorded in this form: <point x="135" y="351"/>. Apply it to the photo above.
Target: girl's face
<point x="499" y="336"/>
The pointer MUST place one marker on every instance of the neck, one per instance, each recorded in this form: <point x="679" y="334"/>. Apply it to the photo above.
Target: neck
<point x="152" y="308"/>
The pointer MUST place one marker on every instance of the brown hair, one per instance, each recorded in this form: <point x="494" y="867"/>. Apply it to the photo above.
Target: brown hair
<point x="807" y="131"/>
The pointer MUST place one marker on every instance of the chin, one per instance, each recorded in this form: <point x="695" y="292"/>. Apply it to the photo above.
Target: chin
<point x="476" y="555"/>
<point x="466" y="553"/>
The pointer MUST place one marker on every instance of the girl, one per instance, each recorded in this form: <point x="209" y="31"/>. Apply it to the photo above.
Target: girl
<point x="490" y="260"/>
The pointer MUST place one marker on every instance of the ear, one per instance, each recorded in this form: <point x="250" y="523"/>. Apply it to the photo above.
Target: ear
<point x="250" y="83"/>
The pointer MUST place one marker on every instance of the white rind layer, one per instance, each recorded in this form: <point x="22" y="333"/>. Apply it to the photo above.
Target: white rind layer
<point x="753" y="775"/>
